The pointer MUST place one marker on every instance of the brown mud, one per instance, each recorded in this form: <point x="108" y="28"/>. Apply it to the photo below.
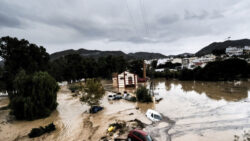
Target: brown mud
<point x="201" y="111"/>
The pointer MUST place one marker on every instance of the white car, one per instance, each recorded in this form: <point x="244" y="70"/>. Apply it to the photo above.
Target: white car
<point x="153" y="115"/>
<point x="111" y="97"/>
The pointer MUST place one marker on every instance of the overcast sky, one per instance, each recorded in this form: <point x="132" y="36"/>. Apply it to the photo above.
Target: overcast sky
<point x="164" y="26"/>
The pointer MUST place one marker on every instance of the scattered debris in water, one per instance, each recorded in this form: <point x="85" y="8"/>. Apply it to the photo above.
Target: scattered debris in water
<point x="119" y="129"/>
<point x="95" y="109"/>
<point x="36" y="132"/>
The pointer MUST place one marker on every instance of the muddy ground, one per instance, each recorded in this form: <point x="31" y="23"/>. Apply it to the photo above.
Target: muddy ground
<point x="72" y="120"/>
<point x="198" y="111"/>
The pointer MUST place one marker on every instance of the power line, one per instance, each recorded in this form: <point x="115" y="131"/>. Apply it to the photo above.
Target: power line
<point x="131" y="17"/>
<point x="143" y="13"/>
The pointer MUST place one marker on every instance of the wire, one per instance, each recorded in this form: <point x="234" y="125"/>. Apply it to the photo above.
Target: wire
<point x="143" y="13"/>
<point x="132" y="18"/>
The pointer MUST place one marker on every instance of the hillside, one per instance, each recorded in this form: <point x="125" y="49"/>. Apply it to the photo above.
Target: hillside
<point x="184" y="55"/>
<point x="222" y="46"/>
<point x="97" y="53"/>
<point x="146" y="55"/>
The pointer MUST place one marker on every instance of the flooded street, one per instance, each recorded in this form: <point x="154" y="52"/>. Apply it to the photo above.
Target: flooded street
<point x="201" y="111"/>
<point x="205" y="110"/>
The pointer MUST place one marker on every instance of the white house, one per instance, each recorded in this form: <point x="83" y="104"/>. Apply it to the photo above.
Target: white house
<point x="162" y="61"/>
<point x="176" y="60"/>
<point x="3" y="94"/>
<point x="231" y="51"/>
<point x="159" y="70"/>
<point x="185" y="62"/>
<point x="124" y="79"/>
<point x="247" y="49"/>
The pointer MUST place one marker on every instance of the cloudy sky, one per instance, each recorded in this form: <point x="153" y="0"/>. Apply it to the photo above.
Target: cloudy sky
<point x="164" y="26"/>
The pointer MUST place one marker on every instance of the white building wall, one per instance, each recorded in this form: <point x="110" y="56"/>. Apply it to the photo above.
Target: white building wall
<point x="176" y="60"/>
<point x="123" y="79"/>
<point x="231" y="51"/>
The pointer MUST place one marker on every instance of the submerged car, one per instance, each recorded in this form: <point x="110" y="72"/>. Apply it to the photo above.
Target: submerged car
<point x="114" y="97"/>
<point x="128" y="97"/>
<point x="153" y="115"/>
<point x="95" y="109"/>
<point x="139" y="135"/>
<point x="111" y="97"/>
<point x="117" y="97"/>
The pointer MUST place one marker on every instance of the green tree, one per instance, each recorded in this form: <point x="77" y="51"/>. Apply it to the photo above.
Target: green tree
<point x="154" y="64"/>
<point x="136" y="66"/>
<point x="20" y="54"/>
<point x="230" y="69"/>
<point x="111" y="64"/>
<point x="218" y="52"/>
<point x="74" y="68"/>
<point x="35" y="95"/>
<point x="93" y="92"/>
<point x="143" y="95"/>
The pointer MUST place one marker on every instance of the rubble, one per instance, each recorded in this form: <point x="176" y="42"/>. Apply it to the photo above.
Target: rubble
<point x="119" y="129"/>
<point x="36" y="132"/>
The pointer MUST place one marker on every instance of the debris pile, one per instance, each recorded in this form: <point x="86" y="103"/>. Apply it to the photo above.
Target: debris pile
<point x="120" y="129"/>
<point x="36" y="132"/>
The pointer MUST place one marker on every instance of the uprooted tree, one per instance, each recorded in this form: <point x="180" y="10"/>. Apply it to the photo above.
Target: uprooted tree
<point x="93" y="92"/>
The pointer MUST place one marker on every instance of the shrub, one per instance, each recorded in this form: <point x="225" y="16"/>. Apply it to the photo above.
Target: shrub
<point x="94" y="91"/>
<point x="75" y="87"/>
<point x="143" y="95"/>
<point x="35" y="96"/>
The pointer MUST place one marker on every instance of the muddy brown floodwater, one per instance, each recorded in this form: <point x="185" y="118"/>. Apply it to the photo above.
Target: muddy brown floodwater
<point x="201" y="111"/>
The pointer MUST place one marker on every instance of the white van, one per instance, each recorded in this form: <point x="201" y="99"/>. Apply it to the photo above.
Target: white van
<point x="153" y="115"/>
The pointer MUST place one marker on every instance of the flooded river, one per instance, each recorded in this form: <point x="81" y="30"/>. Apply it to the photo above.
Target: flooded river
<point x="205" y="110"/>
<point x="201" y="111"/>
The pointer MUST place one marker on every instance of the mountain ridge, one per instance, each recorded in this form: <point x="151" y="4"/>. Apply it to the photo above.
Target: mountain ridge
<point x="222" y="46"/>
<point x="98" y="53"/>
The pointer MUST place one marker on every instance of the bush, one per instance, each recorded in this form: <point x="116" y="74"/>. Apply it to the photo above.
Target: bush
<point x="75" y="87"/>
<point x="35" y="96"/>
<point x="94" y="91"/>
<point x="36" y="132"/>
<point x="143" y="95"/>
<point x="132" y="99"/>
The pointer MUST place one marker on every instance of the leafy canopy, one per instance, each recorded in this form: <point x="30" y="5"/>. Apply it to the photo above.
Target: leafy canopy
<point x="21" y="55"/>
<point x="93" y="92"/>
<point x="143" y="95"/>
<point x="35" y="95"/>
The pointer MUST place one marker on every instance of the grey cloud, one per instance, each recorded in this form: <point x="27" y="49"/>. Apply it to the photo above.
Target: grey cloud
<point x="188" y="15"/>
<point x="168" y="22"/>
<point x="8" y="21"/>
<point x="169" y="19"/>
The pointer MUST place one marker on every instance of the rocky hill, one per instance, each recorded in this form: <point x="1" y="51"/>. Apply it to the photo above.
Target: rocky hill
<point x="222" y="46"/>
